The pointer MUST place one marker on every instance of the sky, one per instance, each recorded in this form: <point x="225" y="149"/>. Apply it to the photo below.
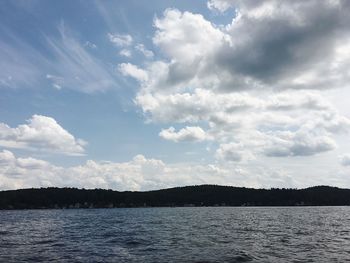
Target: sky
<point x="142" y="95"/>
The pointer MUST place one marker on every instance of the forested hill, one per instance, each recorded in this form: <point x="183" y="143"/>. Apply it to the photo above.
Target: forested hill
<point x="203" y="195"/>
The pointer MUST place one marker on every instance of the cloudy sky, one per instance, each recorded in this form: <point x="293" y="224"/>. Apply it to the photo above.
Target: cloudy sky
<point x="139" y="95"/>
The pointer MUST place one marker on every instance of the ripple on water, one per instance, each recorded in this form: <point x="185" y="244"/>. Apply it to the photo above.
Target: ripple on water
<point x="319" y="234"/>
<point x="241" y="257"/>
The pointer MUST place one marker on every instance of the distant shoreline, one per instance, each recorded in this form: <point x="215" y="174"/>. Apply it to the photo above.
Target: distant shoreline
<point x="188" y="196"/>
<point x="150" y="207"/>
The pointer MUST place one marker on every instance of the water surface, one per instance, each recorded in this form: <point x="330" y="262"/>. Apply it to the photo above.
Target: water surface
<point x="189" y="234"/>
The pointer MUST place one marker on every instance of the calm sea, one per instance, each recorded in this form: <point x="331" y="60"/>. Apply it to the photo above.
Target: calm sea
<point x="217" y="234"/>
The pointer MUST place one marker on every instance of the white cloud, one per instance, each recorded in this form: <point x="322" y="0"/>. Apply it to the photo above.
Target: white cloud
<point x="220" y="5"/>
<point x="138" y="174"/>
<point x="281" y="44"/>
<point x="185" y="36"/>
<point x="268" y="45"/>
<point x="128" y="69"/>
<point x="42" y="134"/>
<point x="257" y="83"/>
<point x="234" y="152"/>
<point x="147" y="53"/>
<point x="196" y="106"/>
<point x="185" y="134"/>
<point x="120" y="40"/>
<point x="6" y="157"/>
<point x="274" y="125"/>
<point x="142" y="173"/>
<point x="298" y="100"/>
<point x="125" y="52"/>
<point x="298" y="144"/>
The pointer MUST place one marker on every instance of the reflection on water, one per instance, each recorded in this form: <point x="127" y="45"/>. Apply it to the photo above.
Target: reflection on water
<point x="196" y="234"/>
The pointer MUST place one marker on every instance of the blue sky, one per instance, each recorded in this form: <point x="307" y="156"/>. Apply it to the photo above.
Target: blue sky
<point x="149" y="94"/>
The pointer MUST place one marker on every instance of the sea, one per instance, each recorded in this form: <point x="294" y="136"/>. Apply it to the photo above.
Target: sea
<point x="183" y="234"/>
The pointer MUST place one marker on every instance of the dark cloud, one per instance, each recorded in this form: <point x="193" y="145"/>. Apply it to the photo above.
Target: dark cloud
<point x="284" y="39"/>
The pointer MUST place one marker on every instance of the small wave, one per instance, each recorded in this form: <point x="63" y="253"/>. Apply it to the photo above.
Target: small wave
<point x="44" y="242"/>
<point x="133" y="243"/>
<point x="241" y="257"/>
<point x="58" y="245"/>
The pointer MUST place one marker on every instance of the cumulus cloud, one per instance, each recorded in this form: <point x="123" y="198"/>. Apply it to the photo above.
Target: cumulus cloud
<point x="282" y="44"/>
<point x="41" y="133"/>
<point x="274" y="126"/>
<point x="185" y="134"/>
<point x="18" y="172"/>
<point x="140" y="173"/>
<point x="257" y="83"/>
<point x="268" y="45"/>
<point x="199" y="105"/>
<point x="289" y="144"/>
<point x="185" y="36"/>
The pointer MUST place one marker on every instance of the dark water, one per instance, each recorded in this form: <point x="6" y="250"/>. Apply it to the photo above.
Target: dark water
<point x="222" y="234"/>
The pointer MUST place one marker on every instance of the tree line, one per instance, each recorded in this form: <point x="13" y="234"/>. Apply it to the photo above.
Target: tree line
<point x="201" y="195"/>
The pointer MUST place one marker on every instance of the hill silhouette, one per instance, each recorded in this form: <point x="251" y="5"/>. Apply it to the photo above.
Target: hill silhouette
<point x="202" y="195"/>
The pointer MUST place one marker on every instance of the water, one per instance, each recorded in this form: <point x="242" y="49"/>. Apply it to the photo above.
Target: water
<point x="216" y="234"/>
